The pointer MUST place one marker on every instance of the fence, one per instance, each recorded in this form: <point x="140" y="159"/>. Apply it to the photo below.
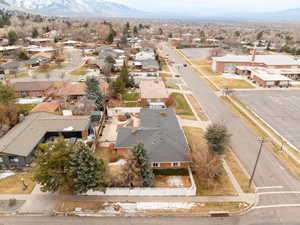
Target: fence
<point x="186" y="191"/>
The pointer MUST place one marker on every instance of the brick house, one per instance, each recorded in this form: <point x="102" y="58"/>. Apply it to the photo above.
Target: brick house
<point x="162" y="136"/>
<point x="33" y="89"/>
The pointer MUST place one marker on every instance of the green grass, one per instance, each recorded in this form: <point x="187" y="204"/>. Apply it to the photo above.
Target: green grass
<point x="50" y="68"/>
<point x="130" y="104"/>
<point x="81" y="71"/>
<point x="172" y="86"/>
<point x="130" y="97"/>
<point x="27" y="107"/>
<point x="8" y="77"/>
<point x="182" y="106"/>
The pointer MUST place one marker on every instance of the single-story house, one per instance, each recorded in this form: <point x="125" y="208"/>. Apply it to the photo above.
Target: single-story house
<point x="48" y="107"/>
<point x="13" y="67"/>
<point x="18" y="145"/>
<point x="162" y="136"/>
<point x="153" y="91"/>
<point x="267" y="80"/>
<point x="33" y="89"/>
<point x="150" y="65"/>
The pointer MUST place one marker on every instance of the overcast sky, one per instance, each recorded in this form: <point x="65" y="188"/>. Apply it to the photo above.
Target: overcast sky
<point x="214" y="6"/>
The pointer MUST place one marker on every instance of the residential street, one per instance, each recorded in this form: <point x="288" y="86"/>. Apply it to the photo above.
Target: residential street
<point x="271" y="176"/>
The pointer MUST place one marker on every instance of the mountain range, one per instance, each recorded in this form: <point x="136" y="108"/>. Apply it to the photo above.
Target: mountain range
<point x="76" y="8"/>
<point x="108" y="8"/>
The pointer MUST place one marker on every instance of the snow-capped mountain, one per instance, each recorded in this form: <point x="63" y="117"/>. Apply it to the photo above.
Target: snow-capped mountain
<point x="4" y="5"/>
<point x="77" y="8"/>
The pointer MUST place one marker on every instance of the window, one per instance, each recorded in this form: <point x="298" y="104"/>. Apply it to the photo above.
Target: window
<point x="155" y="164"/>
<point x="1" y="160"/>
<point x="175" y="164"/>
<point x="13" y="159"/>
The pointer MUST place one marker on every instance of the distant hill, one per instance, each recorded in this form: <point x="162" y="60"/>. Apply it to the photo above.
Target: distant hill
<point x="5" y="5"/>
<point x="78" y="8"/>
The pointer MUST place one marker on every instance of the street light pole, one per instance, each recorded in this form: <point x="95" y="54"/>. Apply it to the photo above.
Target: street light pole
<point x="262" y="140"/>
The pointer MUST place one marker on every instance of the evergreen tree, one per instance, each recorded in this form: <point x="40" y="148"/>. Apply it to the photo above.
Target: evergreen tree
<point x="12" y="37"/>
<point x="53" y="164"/>
<point x="110" y="38"/>
<point x="125" y="75"/>
<point x="117" y="87"/>
<point x="217" y="138"/>
<point x="93" y="92"/>
<point x="35" y="33"/>
<point x="23" y="56"/>
<point x="87" y="172"/>
<point x="144" y="162"/>
<point x="135" y="30"/>
<point x="7" y="94"/>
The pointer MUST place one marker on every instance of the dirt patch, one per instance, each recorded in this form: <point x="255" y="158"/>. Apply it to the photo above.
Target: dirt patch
<point x="172" y="181"/>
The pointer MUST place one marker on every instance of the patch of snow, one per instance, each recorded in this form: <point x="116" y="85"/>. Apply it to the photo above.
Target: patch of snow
<point x="175" y="181"/>
<point x="120" y="162"/>
<point x="232" y="76"/>
<point x="4" y="174"/>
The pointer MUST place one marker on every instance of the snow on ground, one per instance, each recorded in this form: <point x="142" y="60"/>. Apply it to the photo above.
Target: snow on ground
<point x="175" y="181"/>
<point x="121" y="162"/>
<point x="4" y="174"/>
<point x="232" y="76"/>
<point x="142" y="206"/>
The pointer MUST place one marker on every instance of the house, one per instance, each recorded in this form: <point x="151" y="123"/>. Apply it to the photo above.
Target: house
<point x="153" y="93"/>
<point x="40" y="41"/>
<point x="162" y="137"/>
<point x="13" y="67"/>
<point x="48" y="107"/>
<point x="145" y="55"/>
<point x="32" y="89"/>
<point x="228" y="63"/>
<point x="17" y="147"/>
<point x="150" y="65"/>
<point x="72" y="90"/>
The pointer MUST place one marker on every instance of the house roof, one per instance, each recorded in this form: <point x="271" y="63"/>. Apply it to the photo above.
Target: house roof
<point x="25" y="136"/>
<point x="150" y="63"/>
<point x="50" y="107"/>
<point x="72" y="89"/>
<point x="153" y="89"/>
<point x="160" y="133"/>
<point x="43" y="54"/>
<point x="11" y="65"/>
<point x="31" y="86"/>
<point x="266" y="59"/>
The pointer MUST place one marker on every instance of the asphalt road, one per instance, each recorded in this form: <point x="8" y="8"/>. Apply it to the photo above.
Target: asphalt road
<point x="74" y="60"/>
<point x="271" y="176"/>
<point x="279" y="108"/>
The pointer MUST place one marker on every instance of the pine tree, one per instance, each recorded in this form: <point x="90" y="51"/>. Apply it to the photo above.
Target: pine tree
<point x="144" y="162"/>
<point x="110" y="38"/>
<point x="117" y="87"/>
<point x="125" y="75"/>
<point x="87" y="172"/>
<point x="217" y="138"/>
<point x="93" y="92"/>
<point x="35" y="33"/>
<point x="53" y="164"/>
<point x="12" y="37"/>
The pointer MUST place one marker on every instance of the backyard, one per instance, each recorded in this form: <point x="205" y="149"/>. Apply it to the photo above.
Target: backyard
<point x="81" y="71"/>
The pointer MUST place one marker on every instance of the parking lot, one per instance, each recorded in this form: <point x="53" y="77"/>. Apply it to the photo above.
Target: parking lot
<point x="197" y="53"/>
<point x="280" y="109"/>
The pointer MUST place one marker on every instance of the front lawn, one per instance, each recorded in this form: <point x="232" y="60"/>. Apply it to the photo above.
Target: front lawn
<point x="8" y="77"/>
<point x="13" y="184"/>
<point x="207" y="71"/>
<point x="50" y="68"/>
<point x="27" y="107"/>
<point x="130" y="97"/>
<point x="81" y="71"/>
<point x="232" y="83"/>
<point x="201" y="62"/>
<point x="182" y="107"/>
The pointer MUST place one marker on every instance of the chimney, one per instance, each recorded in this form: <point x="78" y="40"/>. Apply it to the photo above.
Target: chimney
<point x="253" y="55"/>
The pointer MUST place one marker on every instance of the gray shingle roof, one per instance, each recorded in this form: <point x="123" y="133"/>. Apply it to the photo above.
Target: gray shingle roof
<point x="160" y="133"/>
<point x="23" y="137"/>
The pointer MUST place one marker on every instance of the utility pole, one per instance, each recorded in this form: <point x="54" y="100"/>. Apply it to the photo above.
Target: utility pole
<point x="262" y="140"/>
